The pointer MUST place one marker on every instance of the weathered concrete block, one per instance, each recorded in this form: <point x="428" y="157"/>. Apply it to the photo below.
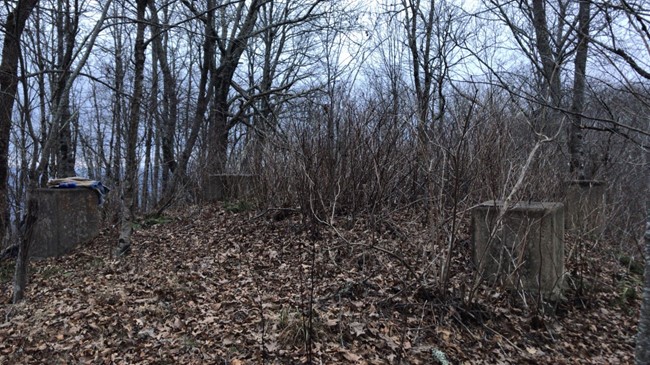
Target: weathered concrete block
<point x="65" y="218"/>
<point x="222" y="187"/>
<point x="585" y="206"/>
<point x="526" y="250"/>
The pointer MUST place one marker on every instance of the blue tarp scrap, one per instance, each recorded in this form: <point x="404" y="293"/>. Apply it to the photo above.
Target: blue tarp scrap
<point x="80" y="182"/>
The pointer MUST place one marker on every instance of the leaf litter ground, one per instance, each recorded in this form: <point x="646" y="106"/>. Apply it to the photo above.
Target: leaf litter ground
<point x="209" y="286"/>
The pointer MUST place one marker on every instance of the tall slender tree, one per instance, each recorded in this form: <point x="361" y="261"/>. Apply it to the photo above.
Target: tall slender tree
<point x="169" y="113"/>
<point x="11" y="48"/>
<point x="131" y="169"/>
<point x="67" y="28"/>
<point x="575" y="142"/>
<point x="432" y="31"/>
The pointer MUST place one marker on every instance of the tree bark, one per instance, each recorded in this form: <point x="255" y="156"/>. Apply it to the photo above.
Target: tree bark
<point x="576" y="144"/>
<point x="67" y="22"/>
<point x="22" y="261"/>
<point x="550" y="65"/>
<point x="642" y="353"/>
<point x="114" y="170"/>
<point x="221" y="124"/>
<point x="13" y="29"/>
<point x="206" y="84"/>
<point x="131" y="171"/>
<point x="169" y="115"/>
<point x="419" y="23"/>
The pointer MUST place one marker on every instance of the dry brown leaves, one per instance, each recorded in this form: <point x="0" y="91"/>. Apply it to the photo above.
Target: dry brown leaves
<point x="214" y="287"/>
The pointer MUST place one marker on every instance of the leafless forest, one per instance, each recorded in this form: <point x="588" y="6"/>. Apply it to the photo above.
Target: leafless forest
<point x="368" y="131"/>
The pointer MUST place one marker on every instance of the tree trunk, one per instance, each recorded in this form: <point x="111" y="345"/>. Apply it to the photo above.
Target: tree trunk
<point x="131" y="172"/>
<point x="114" y="171"/>
<point x="67" y="21"/>
<point x="22" y="261"/>
<point x="576" y="144"/>
<point x="13" y="29"/>
<point x="218" y="147"/>
<point x="221" y="124"/>
<point x="65" y="156"/>
<point x="149" y="135"/>
<point x="550" y="66"/>
<point x="203" y="100"/>
<point x="429" y="42"/>
<point x="169" y="114"/>
<point x="642" y="355"/>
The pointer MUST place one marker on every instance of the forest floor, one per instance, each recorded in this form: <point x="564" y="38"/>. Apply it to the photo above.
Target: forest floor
<point x="214" y="286"/>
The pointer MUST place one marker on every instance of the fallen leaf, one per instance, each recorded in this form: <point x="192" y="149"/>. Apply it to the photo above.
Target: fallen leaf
<point x="207" y="320"/>
<point x="357" y="328"/>
<point x="446" y="334"/>
<point x="350" y="356"/>
<point x="178" y="324"/>
<point x="331" y="322"/>
<point x="390" y="341"/>
<point x="271" y="346"/>
<point x="406" y="345"/>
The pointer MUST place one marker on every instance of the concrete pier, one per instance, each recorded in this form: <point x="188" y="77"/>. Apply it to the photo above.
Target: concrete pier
<point x="526" y="249"/>
<point x="65" y="218"/>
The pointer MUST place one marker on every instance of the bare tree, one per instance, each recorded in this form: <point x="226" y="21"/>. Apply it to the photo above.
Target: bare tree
<point x="206" y="83"/>
<point x="67" y="27"/>
<point x="11" y="48"/>
<point x="419" y="23"/>
<point x="616" y="50"/>
<point x="549" y="58"/>
<point x="131" y="169"/>
<point x="278" y="59"/>
<point x="118" y="108"/>
<point x="60" y="106"/>
<point x="169" y="113"/>
<point x="242" y="17"/>
<point x="545" y="32"/>
<point x="22" y="260"/>
<point x="222" y="102"/>
<point x="575" y="142"/>
<point x="433" y="33"/>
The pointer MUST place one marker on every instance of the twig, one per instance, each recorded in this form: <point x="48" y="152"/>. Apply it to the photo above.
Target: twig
<point x="502" y="336"/>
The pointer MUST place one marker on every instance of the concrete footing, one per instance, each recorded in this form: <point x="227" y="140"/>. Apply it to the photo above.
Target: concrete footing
<point x="525" y="250"/>
<point x="65" y="218"/>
